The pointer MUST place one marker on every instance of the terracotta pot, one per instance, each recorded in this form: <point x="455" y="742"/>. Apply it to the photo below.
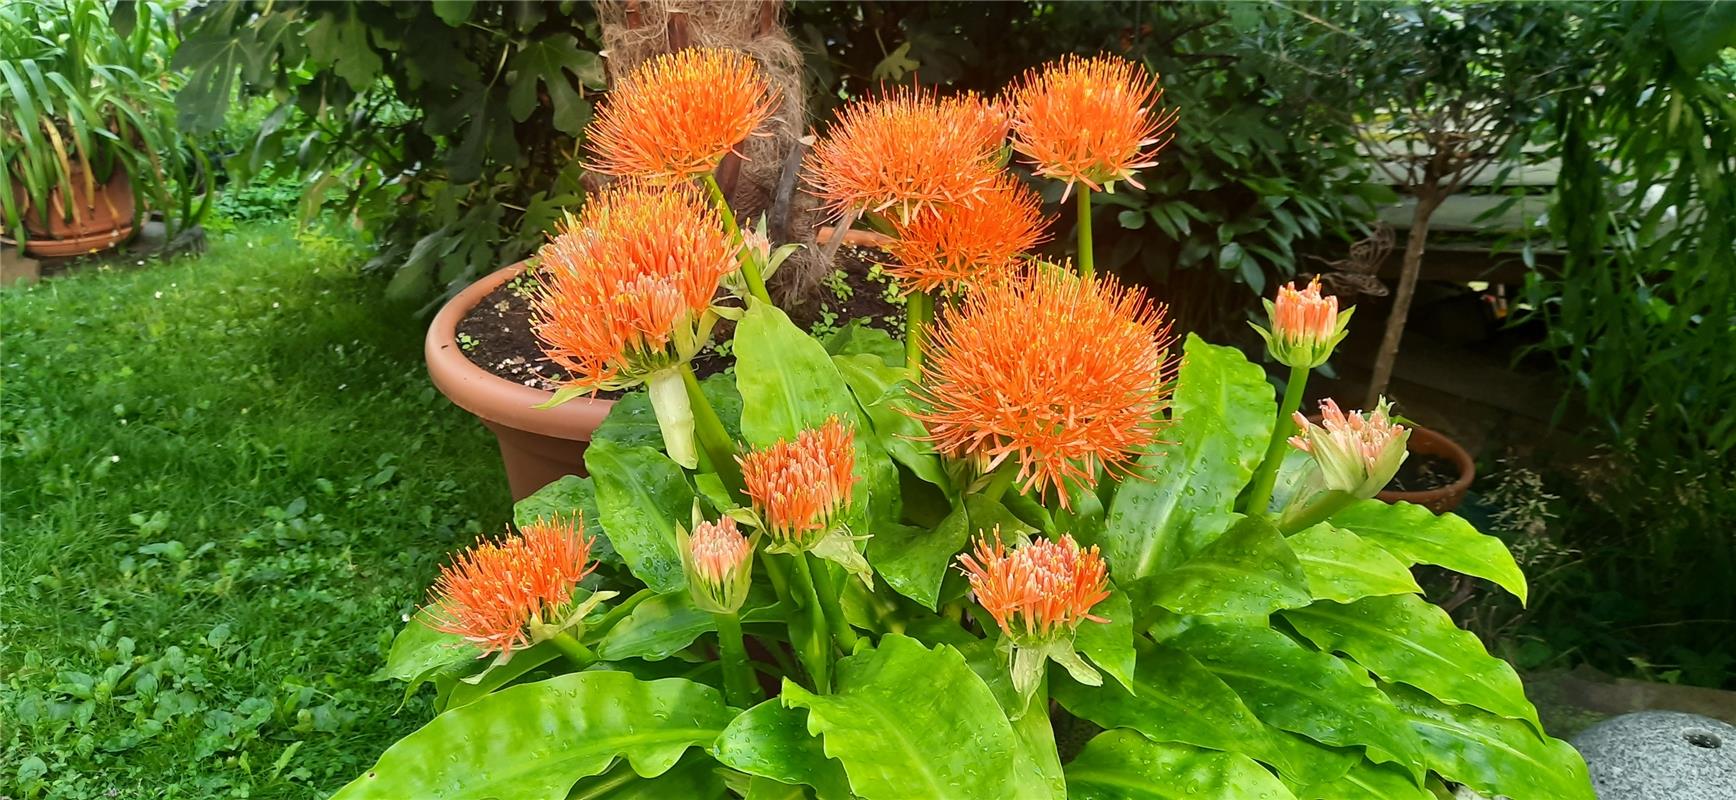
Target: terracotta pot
<point x="104" y="219"/>
<point x="855" y="238"/>
<point x="538" y="446"/>
<point x="1424" y="441"/>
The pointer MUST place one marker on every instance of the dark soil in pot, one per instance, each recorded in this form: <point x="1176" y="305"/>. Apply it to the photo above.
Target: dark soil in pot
<point x="1422" y="472"/>
<point x="496" y="334"/>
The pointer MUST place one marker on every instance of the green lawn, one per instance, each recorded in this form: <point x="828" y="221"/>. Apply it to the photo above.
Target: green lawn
<point x="224" y="480"/>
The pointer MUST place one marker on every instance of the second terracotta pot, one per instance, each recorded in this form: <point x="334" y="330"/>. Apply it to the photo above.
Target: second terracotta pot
<point x="1424" y="441"/>
<point x="537" y="445"/>
<point x="102" y="219"/>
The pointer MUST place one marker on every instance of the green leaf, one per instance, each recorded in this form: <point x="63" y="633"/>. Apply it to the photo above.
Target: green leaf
<point x="1492" y="754"/>
<point x="476" y="687"/>
<point x="788" y="384"/>
<point x="1342" y="566"/>
<point x="453" y="12"/>
<point x="857" y="336"/>
<point x="641" y="494"/>
<point x="872" y="381"/>
<point x="546" y="61"/>
<point x="418" y="649"/>
<point x="1406" y="639"/>
<point x="772" y="741"/>
<point x="1418" y="536"/>
<point x="631" y="421"/>
<point x="1110" y="644"/>
<point x="665" y="624"/>
<point x="343" y="43"/>
<point x="1304" y="691"/>
<point x="1223" y="411"/>
<point x="695" y="777"/>
<point x="913" y="560"/>
<point x="568" y="497"/>
<point x="534" y="741"/>
<point x="1366" y="781"/>
<point x="1249" y="571"/>
<point x="1122" y="765"/>
<point x="908" y="721"/>
<point x="1039" y="759"/>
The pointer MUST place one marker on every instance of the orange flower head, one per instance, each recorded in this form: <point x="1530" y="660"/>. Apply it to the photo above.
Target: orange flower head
<point x="908" y="150"/>
<point x="625" y="283"/>
<point x="1037" y="589"/>
<point x="1306" y="325"/>
<point x="719" y="551"/>
<point x="1061" y="373"/>
<point x="674" y="117"/>
<point x="972" y="241"/>
<point x="1089" y="120"/>
<point x="494" y="592"/>
<point x="799" y="487"/>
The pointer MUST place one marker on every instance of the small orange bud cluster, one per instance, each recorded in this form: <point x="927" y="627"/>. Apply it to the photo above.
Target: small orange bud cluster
<point x="799" y="487"/>
<point x="1038" y="588"/>
<point x="491" y="593"/>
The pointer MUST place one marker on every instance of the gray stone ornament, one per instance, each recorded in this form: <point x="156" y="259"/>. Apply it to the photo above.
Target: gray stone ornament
<point x="1661" y="755"/>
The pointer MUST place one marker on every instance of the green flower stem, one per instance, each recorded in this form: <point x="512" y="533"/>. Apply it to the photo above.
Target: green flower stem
<point x="830" y="597"/>
<point x="580" y="655"/>
<point x="739" y="685"/>
<point x="918" y="312"/>
<point x="812" y="658"/>
<point x="1000" y="480"/>
<point x="1087" y="267"/>
<point x="1318" y="509"/>
<point x="818" y="651"/>
<point x="756" y="285"/>
<point x="715" y="444"/>
<point x="620" y="612"/>
<point x="1260" y="495"/>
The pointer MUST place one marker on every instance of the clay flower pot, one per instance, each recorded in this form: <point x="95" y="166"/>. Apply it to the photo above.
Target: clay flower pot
<point x="104" y="219"/>
<point x="537" y="445"/>
<point x="1424" y="441"/>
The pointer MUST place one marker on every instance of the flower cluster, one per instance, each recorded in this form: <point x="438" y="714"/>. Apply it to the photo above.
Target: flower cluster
<point x="1355" y="453"/>
<point x="908" y="151"/>
<point x="1038" y="589"/>
<point x="719" y="562"/>
<point x="1089" y="120"/>
<point x="800" y="486"/>
<point x="1306" y="325"/>
<point x="674" y="117"/>
<point x="496" y="592"/>
<point x="977" y="240"/>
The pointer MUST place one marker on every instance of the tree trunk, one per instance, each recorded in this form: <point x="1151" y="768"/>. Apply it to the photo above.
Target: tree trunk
<point x="1428" y="198"/>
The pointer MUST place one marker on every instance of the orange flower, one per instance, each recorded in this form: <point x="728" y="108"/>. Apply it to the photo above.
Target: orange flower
<point x="1089" y="120"/>
<point x="969" y="241"/>
<point x="719" y="551"/>
<point x="1306" y="326"/>
<point x="799" y="487"/>
<point x="909" y="150"/>
<point x="1038" y="588"/>
<point x="675" y="117"/>
<point x="627" y="280"/>
<point x="491" y="593"/>
<point x="1061" y="373"/>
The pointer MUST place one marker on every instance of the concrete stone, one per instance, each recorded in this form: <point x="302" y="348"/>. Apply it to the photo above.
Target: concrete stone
<point x="16" y="267"/>
<point x="1661" y="755"/>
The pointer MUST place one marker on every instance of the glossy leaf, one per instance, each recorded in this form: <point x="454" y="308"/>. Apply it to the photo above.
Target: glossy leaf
<point x="907" y="721"/>
<point x="1297" y="689"/>
<point x="1342" y="566"/>
<point x="771" y="741"/>
<point x="641" y="495"/>
<point x="1122" y="765"/>
<point x="1223" y="411"/>
<point x="1039" y="761"/>
<point x="632" y="422"/>
<point x="858" y="336"/>
<point x="1492" y="754"/>
<point x="1406" y="639"/>
<point x="665" y="624"/>
<point x="875" y="385"/>
<point x="534" y="741"/>
<point x="695" y="777"/>
<point x="522" y="663"/>
<point x="1366" y="781"/>
<point x="568" y="497"/>
<point x="1249" y="571"/>
<point x="1418" y="536"/>
<point x="1109" y="645"/>
<point x="419" y="649"/>
<point x="914" y="560"/>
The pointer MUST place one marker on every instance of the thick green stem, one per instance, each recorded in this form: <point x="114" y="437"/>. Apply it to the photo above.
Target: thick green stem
<point x="714" y="441"/>
<point x="819" y="655"/>
<point x="1266" y="477"/>
<point x="1000" y="480"/>
<point x="673" y="407"/>
<point x="813" y="658"/>
<point x="756" y="285"/>
<point x="1318" y="509"/>
<point x="620" y="612"/>
<point x="739" y="685"/>
<point x="918" y="312"/>
<point x="830" y="598"/>
<point x="580" y="655"/>
<point x="1087" y="267"/>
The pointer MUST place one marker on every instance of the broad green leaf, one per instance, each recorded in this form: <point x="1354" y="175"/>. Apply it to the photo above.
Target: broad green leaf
<point x="632" y="423"/>
<point x="453" y="12"/>
<point x="768" y="789"/>
<point x="546" y="61"/>
<point x="914" y="560"/>
<point x="569" y="497"/>
<point x="873" y="381"/>
<point x="1223" y="411"/>
<point x="1492" y="754"/>
<point x="1406" y="639"/>
<point x="1304" y="691"/>
<point x="1110" y="644"/>
<point x="476" y="687"/>
<point x="1342" y="566"/>
<point x="534" y="741"/>
<point x="695" y="777"/>
<point x="341" y="40"/>
<point x="908" y="721"/>
<point x="1122" y="765"/>
<point x="1366" y="781"/>
<point x="1249" y="572"/>
<point x="1038" y="758"/>
<point x="641" y="495"/>
<point x="771" y="741"/>
<point x="1416" y="535"/>
<point x="665" y="624"/>
<point x="1301" y="760"/>
<point x="857" y="336"/>
<point x="419" y="649"/>
<point x="788" y="384"/>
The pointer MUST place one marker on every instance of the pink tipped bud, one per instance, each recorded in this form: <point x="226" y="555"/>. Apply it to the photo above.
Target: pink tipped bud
<point x="1306" y="325"/>
<point x="719" y="563"/>
<point x="1356" y="453"/>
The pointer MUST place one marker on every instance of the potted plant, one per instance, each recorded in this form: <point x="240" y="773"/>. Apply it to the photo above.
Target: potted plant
<point x="1031" y="554"/>
<point x="90" y="124"/>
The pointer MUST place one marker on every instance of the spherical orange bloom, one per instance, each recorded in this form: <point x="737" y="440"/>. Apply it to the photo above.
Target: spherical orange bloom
<point x="969" y="241"/>
<point x="907" y="150"/>
<point x="799" y="487"/>
<point x="1038" y="588"/>
<point x="637" y="268"/>
<point x="674" y="117"/>
<point x="1061" y="373"/>
<point x="1089" y="120"/>
<point x="492" y="592"/>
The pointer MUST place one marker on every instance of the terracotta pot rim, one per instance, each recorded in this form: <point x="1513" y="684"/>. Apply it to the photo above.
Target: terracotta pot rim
<point x="489" y="396"/>
<point x="50" y="247"/>
<point x="1433" y="442"/>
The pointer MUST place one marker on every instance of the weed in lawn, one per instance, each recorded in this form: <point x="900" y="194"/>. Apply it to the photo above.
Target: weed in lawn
<point x="224" y="480"/>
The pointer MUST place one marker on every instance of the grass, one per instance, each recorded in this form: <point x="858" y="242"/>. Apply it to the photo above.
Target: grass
<point x="224" y="481"/>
